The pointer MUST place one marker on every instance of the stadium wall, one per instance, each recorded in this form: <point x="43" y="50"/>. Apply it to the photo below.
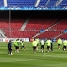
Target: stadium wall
<point x="13" y="39"/>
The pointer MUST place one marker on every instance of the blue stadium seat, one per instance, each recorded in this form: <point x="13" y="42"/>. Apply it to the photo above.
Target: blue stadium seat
<point x="52" y="3"/>
<point x="21" y="3"/>
<point x="31" y="3"/>
<point x="63" y="4"/>
<point x="43" y="2"/>
<point x="1" y="3"/>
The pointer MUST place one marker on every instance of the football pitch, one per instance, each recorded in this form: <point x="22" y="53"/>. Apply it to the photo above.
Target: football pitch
<point x="26" y="58"/>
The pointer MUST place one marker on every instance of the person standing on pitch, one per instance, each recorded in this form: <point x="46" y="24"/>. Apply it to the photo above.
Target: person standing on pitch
<point x="22" y="45"/>
<point x="51" y="46"/>
<point x="59" y="41"/>
<point x="42" y="45"/>
<point x="64" y="45"/>
<point x="48" y="42"/>
<point x="34" y="44"/>
<point x="16" y="44"/>
<point x="37" y="40"/>
<point x="10" y="48"/>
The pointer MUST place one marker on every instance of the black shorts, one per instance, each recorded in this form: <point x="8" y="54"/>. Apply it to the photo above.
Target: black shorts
<point x="58" y="44"/>
<point x="34" y="47"/>
<point x="48" y="47"/>
<point x="64" y="47"/>
<point x="37" y="44"/>
<point x="16" y="47"/>
<point x="22" y="46"/>
<point x="42" y="46"/>
<point x="9" y="49"/>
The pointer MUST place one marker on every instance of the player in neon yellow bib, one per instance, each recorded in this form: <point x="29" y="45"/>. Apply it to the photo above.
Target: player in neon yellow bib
<point x="48" y="42"/>
<point x="64" y="45"/>
<point x="34" y="44"/>
<point x="16" y="44"/>
<point x="59" y="41"/>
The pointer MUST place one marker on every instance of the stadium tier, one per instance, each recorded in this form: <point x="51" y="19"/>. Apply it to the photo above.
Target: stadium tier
<point x="33" y="4"/>
<point x="52" y="3"/>
<point x="63" y="4"/>
<point x="21" y="3"/>
<point x="14" y="24"/>
<point x="39" y="24"/>
<point x="48" y="34"/>
<point x="1" y="3"/>
<point x="21" y="34"/>
<point x="4" y="24"/>
<point x="17" y="24"/>
<point x="62" y="25"/>
<point x="42" y="3"/>
<point x="51" y="28"/>
<point x="63" y="36"/>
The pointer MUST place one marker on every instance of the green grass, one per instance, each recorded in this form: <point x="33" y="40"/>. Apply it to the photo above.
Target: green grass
<point x="26" y="58"/>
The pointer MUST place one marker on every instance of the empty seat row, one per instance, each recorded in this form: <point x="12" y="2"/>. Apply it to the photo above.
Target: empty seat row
<point x="38" y="24"/>
<point x="48" y="34"/>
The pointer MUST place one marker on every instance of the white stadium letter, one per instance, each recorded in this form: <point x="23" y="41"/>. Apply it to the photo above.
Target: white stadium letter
<point x="58" y="2"/>
<point x="5" y="3"/>
<point x="37" y="3"/>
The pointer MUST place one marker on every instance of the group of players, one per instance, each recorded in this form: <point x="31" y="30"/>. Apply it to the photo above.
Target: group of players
<point x="16" y="44"/>
<point x="35" y="44"/>
<point x="49" y="43"/>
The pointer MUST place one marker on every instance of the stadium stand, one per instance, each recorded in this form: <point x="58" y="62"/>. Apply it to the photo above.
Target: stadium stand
<point x="21" y="3"/>
<point x="49" y="23"/>
<point x="63" y="4"/>
<point x="1" y="3"/>
<point x="32" y="3"/>
<point x="30" y="31"/>
<point x="63" y="36"/>
<point x="40" y="24"/>
<point x="14" y="25"/>
<point x="51" y="3"/>
<point x="33" y="27"/>
<point x="23" y="34"/>
<point x="48" y="34"/>
<point x="62" y="25"/>
<point x="17" y="24"/>
<point x="4" y="24"/>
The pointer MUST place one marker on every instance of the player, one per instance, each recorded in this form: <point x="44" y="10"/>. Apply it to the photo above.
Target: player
<point x="42" y="45"/>
<point x="64" y="45"/>
<point x="59" y="41"/>
<point x="37" y="40"/>
<point x="34" y="45"/>
<point x="16" y="44"/>
<point x="51" y="46"/>
<point x="22" y="45"/>
<point x="48" y="42"/>
<point x="10" y="48"/>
